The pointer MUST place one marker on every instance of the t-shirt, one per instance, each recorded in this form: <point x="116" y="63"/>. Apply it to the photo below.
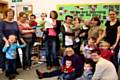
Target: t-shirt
<point x="111" y="32"/>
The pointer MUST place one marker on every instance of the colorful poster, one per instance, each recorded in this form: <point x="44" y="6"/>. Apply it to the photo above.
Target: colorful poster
<point x="87" y="11"/>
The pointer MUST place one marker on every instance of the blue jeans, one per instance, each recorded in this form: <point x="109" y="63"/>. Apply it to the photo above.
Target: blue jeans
<point x="71" y="76"/>
<point x="51" y="51"/>
<point x="64" y="76"/>
<point x="10" y="66"/>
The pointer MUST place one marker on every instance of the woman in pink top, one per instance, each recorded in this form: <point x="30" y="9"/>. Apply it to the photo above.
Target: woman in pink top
<point x="52" y="40"/>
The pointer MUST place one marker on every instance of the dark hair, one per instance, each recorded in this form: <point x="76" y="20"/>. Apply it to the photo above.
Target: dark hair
<point x="22" y="13"/>
<point x="56" y="14"/>
<point x="33" y="16"/>
<point x="68" y="16"/>
<point x="91" y="62"/>
<point x="114" y="11"/>
<point x="78" y="19"/>
<point x="9" y="10"/>
<point x="96" y="50"/>
<point x="96" y="19"/>
<point x="43" y="14"/>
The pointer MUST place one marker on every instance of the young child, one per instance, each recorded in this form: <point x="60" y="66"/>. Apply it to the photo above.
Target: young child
<point x="106" y="53"/>
<point x="10" y="50"/>
<point x="90" y="46"/>
<point x="66" y="70"/>
<point x="89" y="66"/>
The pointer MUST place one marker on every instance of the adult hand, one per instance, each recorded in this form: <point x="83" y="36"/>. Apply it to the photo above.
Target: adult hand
<point x="113" y="46"/>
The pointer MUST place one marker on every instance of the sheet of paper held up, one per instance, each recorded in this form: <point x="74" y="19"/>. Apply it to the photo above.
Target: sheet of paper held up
<point x="48" y="23"/>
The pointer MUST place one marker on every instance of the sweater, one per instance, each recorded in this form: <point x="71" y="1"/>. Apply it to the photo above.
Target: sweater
<point x="104" y="70"/>
<point x="11" y="50"/>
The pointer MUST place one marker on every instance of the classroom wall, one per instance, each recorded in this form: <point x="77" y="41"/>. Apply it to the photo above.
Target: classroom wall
<point x="48" y="5"/>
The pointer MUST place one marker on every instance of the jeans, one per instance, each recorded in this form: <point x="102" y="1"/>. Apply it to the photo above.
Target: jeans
<point x="64" y="76"/>
<point x="2" y="57"/>
<point x="58" y="72"/>
<point x="51" y="51"/>
<point x="27" y="51"/>
<point x="10" y="66"/>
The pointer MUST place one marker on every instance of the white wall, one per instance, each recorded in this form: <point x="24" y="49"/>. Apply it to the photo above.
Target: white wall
<point x="40" y="6"/>
<point x="48" y="5"/>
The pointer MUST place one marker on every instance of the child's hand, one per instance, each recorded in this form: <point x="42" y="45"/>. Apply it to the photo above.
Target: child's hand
<point x="7" y="44"/>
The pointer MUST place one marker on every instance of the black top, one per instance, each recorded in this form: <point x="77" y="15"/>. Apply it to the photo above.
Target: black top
<point x="111" y="32"/>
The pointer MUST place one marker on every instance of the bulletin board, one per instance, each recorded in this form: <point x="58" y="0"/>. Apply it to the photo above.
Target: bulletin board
<point x="87" y="11"/>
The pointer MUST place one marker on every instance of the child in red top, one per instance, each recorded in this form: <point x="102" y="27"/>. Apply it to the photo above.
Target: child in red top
<point x="32" y="21"/>
<point x="66" y="70"/>
<point x="106" y="53"/>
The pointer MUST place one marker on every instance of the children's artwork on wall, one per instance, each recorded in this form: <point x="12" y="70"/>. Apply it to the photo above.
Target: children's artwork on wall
<point x="87" y="11"/>
<point x="24" y="8"/>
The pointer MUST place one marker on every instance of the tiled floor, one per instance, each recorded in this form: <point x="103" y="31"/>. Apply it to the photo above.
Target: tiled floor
<point x="29" y="75"/>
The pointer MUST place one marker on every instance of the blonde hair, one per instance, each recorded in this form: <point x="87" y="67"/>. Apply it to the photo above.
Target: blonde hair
<point x="67" y="50"/>
<point x="104" y="43"/>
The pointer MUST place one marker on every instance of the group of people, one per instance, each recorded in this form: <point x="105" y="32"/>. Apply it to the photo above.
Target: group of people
<point x="91" y="51"/>
<point x="14" y="35"/>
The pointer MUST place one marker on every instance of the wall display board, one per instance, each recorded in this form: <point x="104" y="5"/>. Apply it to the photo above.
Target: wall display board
<point x="87" y="11"/>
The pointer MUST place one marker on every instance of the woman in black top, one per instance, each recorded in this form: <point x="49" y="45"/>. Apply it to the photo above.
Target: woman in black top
<point x="112" y="34"/>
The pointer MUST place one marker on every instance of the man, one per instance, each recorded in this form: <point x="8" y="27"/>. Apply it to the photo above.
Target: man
<point x="67" y="32"/>
<point x="104" y="70"/>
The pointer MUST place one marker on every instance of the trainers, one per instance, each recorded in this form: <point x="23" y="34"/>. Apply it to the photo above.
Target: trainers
<point x="39" y="74"/>
<point x="1" y="71"/>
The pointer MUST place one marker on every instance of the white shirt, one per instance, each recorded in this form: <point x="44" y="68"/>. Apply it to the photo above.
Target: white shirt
<point x="68" y="39"/>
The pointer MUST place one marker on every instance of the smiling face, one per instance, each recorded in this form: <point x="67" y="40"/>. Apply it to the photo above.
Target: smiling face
<point x="112" y="15"/>
<point x="68" y="20"/>
<point x="24" y="18"/>
<point x="68" y="63"/>
<point x="10" y="15"/>
<point x="95" y="57"/>
<point x="87" y="67"/>
<point x="12" y="39"/>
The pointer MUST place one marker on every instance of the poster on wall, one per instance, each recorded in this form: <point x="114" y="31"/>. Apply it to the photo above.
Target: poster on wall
<point x="24" y="8"/>
<point x="87" y="11"/>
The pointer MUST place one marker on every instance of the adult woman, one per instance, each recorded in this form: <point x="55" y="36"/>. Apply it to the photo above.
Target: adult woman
<point x="76" y="29"/>
<point x="112" y="34"/>
<point x="9" y="26"/>
<point x="52" y="40"/>
<point x="95" y="28"/>
<point x="77" y="64"/>
<point x="27" y="32"/>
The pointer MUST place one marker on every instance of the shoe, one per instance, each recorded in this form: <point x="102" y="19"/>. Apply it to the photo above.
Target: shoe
<point x="27" y="69"/>
<point x="16" y="73"/>
<point x="1" y="71"/>
<point x="11" y="77"/>
<point x="40" y="75"/>
<point x="49" y="68"/>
